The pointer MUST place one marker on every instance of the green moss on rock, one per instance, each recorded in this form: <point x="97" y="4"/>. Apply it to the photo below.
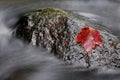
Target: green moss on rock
<point x="48" y="11"/>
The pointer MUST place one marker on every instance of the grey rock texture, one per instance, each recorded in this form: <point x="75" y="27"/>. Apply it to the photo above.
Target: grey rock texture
<point x="56" y="30"/>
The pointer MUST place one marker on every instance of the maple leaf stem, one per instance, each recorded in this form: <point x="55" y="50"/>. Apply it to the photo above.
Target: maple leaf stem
<point x="86" y="52"/>
<point x="87" y="59"/>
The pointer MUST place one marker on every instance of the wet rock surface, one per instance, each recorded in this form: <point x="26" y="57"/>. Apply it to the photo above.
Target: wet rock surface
<point x="47" y="28"/>
<point x="56" y="30"/>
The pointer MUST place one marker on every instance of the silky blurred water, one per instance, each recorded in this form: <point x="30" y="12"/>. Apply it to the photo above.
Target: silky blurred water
<point x="20" y="61"/>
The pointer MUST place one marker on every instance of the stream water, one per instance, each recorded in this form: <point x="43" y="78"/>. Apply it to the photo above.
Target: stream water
<point x="19" y="61"/>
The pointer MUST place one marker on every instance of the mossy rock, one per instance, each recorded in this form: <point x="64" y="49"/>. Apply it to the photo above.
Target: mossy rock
<point x="56" y="29"/>
<point x="45" y="27"/>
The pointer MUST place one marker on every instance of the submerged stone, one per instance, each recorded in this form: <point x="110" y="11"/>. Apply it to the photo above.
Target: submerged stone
<point x="56" y="30"/>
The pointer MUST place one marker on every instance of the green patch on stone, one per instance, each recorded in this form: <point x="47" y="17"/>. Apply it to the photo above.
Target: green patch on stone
<point x="49" y="11"/>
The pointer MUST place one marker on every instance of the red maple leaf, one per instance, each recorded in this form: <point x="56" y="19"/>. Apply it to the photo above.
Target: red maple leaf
<point x="89" y="38"/>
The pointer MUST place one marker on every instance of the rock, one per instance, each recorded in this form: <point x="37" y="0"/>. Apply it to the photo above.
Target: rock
<point x="47" y="28"/>
<point x="56" y="30"/>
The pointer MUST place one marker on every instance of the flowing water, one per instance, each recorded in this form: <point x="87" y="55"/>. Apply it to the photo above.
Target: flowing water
<point x="19" y="61"/>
